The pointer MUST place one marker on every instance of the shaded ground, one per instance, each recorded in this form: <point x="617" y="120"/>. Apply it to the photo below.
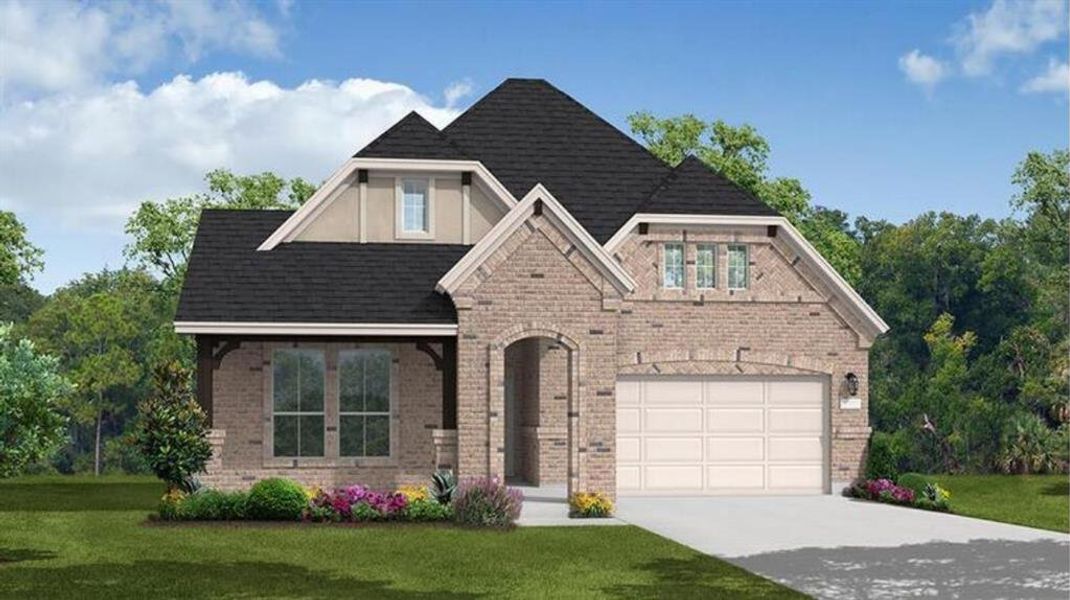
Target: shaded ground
<point x="70" y="538"/>
<point x="1033" y="500"/>
<point x="976" y="570"/>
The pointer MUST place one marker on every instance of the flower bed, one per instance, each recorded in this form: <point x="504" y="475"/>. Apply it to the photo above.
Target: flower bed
<point x="478" y="502"/>
<point x="912" y="490"/>
<point x="589" y="505"/>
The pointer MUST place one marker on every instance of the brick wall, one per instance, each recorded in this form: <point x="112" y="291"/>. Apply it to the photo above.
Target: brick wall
<point x="240" y="420"/>
<point x="781" y="325"/>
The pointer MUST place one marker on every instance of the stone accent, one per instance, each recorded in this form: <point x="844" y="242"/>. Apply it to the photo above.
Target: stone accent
<point x="445" y="441"/>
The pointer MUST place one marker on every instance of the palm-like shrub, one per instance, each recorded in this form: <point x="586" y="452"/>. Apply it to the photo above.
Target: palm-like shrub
<point x="1030" y="446"/>
<point x="443" y="485"/>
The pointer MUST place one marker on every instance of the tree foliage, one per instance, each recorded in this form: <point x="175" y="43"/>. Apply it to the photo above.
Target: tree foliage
<point x="162" y="231"/>
<point x="18" y="257"/>
<point x="171" y="430"/>
<point x="32" y="426"/>
<point x="741" y="154"/>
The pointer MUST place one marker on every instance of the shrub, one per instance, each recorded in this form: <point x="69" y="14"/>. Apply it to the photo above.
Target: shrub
<point x="276" y="499"/>
<point x="881" y="461"/>
<point x="443" y="485"/>
<point x="486" y="502"/>
<point x="934" y="497"/>
<point x="914" y="482"/>
<point x="1030" y="446"/>
<point x="427" y="509"/>
<point x="365" y="512"/>
<point x="589" y="504"/>
<point x="213" y="505"/>
<point x="171" y="429"/>
<point x="170" y="504"/>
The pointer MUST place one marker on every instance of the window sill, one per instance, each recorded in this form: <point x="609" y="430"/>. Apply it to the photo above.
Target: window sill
<point x="414" y="235"/>
<point x="329" y="463"/>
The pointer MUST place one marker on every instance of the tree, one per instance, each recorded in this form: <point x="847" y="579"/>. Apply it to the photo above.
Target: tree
<point x="18" y="301"/>
<point x="18" y="257"/>
<point x="741" y="155"/>
<point x="31" y="389"/>
<point x="163" y="231"/>
<point x="171" y="429"/>
<point x="103" y="328"/>
<point x="100" y="335"/>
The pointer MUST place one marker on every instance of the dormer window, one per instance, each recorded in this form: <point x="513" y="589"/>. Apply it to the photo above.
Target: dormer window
<point x="415" y="209"/>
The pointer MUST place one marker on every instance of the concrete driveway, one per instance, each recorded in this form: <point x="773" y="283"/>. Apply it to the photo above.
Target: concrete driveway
<point x="834" y="547"/>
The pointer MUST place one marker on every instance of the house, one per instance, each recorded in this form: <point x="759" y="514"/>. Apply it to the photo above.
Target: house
<point x="527" y="293"/>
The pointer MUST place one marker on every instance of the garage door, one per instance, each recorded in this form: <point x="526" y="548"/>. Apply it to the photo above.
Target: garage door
<point x="721" y="436"/>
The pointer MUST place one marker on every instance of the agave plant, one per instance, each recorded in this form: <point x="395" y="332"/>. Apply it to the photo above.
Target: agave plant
<point x="443" y="485"/>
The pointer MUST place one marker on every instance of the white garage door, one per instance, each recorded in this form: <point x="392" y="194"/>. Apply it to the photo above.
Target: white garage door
<point x="721" y="436"/>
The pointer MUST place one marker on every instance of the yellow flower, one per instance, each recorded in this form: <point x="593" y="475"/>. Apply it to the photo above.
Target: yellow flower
<point x="313" y="491"/>
<point x="414" y="493"/>
<point x="590" y="504"/>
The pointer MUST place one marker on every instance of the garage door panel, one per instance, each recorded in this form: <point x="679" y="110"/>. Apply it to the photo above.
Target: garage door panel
<point x="718" y="435"/>
<point x="795" y="420"/>
<point x="660" y="420"/>
<point x="722" y="449"/>
<point x="673" y="478"/>
<point x="628" y="449"/>
<point x="628" y="393"/>
<point x="735" y="420"/>
<point x="675" y="449"/>
<point x="628" y="420"/>
<point x="628" y="478"/>
<point x="795" y="449"/>
<point x="733" y="477"/>
<point x="794" y="392"/>
<point x="734" y="392"/>
<point x="673" y="392"/>
<point x="794" y="477"/>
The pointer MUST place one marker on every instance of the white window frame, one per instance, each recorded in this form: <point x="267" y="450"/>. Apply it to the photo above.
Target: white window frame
<point x="665" y="266"/>
<point x="399" y="209"/>
<point x="746" y="265"/>
<point x="712" y="248"/>
<point x="299" y="413"/>
<point x="389" y="414"/>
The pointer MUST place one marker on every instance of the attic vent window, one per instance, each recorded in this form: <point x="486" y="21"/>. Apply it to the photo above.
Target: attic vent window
<point x="415" y="207"/>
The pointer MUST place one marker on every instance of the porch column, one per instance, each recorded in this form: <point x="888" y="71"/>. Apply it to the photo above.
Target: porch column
<point x="449" y="383"/>
<point x="205" y="366"/>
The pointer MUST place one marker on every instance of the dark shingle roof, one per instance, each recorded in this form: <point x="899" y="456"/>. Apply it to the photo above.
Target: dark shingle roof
<point x="316" y="282"/>
<point x="694" y="188"/>
<point x="412" y="137"/>
<point x="526" y="131"/>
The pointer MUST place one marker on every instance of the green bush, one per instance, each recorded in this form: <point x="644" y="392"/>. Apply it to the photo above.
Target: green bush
<point x="172" y="430"/>
<point x="276" y="499"/>
<point x="213" y="505"/>
<point x="882" y="461"/>
<point x="915" y="482"/>
<point x="365" y="512"/>
<point x="427" y="510"/>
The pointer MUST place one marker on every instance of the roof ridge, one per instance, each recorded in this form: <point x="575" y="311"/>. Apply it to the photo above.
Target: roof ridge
<point x="413" y="116"/>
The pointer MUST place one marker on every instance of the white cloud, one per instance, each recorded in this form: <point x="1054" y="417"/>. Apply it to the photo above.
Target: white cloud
<point x="88" y="157"/>
<point x="457" y="90"/>
<point x="1007" y="27"/>
<point x="62" y="45"/>
<point x="922" y="69"/>
<point x="1055" y="79"/>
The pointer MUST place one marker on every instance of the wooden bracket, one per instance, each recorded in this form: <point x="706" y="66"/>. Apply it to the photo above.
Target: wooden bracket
<point x="428" y="350"/>
<point x="227" y="347"/>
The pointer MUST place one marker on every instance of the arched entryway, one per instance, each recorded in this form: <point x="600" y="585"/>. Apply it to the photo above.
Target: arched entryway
<point x="534" y="409"/>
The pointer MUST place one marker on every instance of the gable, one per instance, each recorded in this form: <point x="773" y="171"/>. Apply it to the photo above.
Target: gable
<point x="539" y="205"/>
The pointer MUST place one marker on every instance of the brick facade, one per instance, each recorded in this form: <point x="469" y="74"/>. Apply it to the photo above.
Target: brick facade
<point x="538" y="312"/>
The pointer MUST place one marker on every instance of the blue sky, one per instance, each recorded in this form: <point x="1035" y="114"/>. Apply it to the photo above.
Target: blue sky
<point x="884" y="110"/>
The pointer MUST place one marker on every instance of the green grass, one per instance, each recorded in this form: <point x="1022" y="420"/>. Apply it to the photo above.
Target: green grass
<point x="1041" y="501"/>
<point x="86" y="538"/>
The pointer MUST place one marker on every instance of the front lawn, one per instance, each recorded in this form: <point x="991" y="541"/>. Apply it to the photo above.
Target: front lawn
<point x="86" y="538"/>
<point x="1034" y="500"/>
